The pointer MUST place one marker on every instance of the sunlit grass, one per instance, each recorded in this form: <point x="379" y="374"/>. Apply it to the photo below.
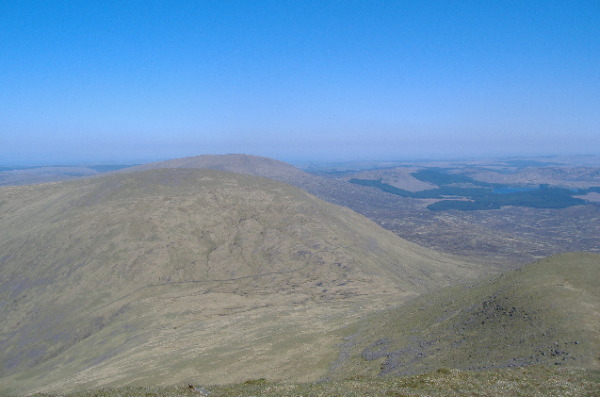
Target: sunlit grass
<point x="532" y="381"/>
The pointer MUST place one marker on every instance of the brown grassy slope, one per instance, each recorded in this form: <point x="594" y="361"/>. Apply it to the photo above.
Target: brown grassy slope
<point x="164" y="276"/>
<point x="547" y="313"/>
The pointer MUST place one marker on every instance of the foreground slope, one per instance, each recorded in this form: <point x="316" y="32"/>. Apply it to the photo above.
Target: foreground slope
<point x="547" y="313"/>
<point x="522" y="382"/>
<point x="174" y="275"/>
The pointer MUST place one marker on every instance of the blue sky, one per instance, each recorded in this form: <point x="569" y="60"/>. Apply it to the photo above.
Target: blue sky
<point x="297" y="80"/>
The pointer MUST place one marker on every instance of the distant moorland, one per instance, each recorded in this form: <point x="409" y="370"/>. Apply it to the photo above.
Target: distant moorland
<point x="506" y="212"/>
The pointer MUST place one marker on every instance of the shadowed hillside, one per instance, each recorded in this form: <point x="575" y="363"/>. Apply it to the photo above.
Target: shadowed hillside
<point x="174" y="275"/>
<point x="547" y="313"/>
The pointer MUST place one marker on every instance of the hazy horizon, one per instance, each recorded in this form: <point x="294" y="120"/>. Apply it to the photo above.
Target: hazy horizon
<point x="145" y="81"/>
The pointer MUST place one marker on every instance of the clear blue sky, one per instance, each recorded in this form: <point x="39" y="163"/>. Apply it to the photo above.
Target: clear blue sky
<point x="148" y="80"/>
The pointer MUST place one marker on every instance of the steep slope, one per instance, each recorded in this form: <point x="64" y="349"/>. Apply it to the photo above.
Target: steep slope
<point x="175" y="275"/>
<point x="547" y="313"/>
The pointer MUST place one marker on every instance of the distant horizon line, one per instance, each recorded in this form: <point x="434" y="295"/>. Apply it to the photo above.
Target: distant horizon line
<point x="32" y="163"/>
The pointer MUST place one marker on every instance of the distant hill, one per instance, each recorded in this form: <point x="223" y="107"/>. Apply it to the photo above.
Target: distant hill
<point x="239" y="163"/>
<point x="331" y="190"/>
<point x="509" y="236"/>
<point x="168" y="276"/>
<point x="547" y="313"/>
<point x="505" y="237"/>
<point x="29" y="175"/>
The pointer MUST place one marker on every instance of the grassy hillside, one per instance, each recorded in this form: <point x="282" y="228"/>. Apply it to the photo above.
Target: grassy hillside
<point x="532" y="381"/>
<point x="174" y="275"/>
<point x="547" y="313"/>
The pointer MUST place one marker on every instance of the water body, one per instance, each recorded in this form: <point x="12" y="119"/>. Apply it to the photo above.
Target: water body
<point x="509" y="189"/>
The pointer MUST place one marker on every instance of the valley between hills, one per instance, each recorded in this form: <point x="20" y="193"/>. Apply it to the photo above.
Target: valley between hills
<point x="220" y="270"/>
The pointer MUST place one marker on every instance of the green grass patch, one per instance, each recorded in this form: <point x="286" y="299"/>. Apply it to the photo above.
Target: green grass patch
<point x="533" y="381"/>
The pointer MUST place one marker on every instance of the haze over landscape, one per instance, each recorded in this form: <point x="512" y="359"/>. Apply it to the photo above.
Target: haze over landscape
<point x="284" y="198"/>
<point x="144" y="81"/>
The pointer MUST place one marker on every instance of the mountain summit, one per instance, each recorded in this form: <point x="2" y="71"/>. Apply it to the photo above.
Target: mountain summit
<point x="239" y="163"/>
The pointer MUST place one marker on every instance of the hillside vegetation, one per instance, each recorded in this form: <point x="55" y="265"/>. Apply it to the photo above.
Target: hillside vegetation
<point x="546" y="313"/>
<point x="523" y="382"/>
<point x="169" y="276"/>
